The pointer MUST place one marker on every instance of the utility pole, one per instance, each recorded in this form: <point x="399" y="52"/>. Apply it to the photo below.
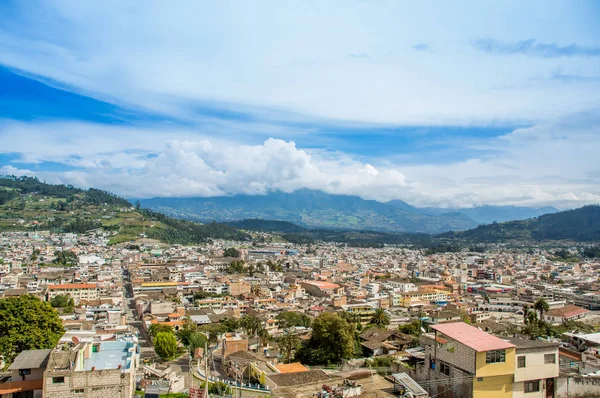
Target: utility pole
<point x="205" y="371"/>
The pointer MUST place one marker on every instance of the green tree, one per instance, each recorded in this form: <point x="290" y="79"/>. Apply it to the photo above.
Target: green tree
<point x="236" y="267"/>
<point x="65" y="257"/>
<point x="165" y="345"/>
<point x="288" y="343"/>
<point x="214" y="330"/>
<point x="380" y="318"/>
<point x="27" y="323"/>
<point x="541" y="306"/>
<point x="290" y="318"/>
<point x="231" y="324"/>
<point x="332" y="340"/>
<point x="197" y="340"/>
<point x="63" y="301"/>
<point x="157" y="328"/>
<point x="413" y="328"/>
<point x="231" y="252"/>
<point x="186" y="330"/>
<point x="251" y="325"/>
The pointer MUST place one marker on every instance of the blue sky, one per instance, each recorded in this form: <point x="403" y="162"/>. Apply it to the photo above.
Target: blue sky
<point x="437" y="104"/>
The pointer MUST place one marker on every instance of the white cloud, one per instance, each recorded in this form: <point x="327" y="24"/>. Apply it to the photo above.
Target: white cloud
<point x="293" y="56"/>
<point x="548" y="164"/>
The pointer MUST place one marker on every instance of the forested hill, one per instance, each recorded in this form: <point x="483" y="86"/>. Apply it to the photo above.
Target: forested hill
<point x="582" y="225"/>
<point x="27" y="204"/>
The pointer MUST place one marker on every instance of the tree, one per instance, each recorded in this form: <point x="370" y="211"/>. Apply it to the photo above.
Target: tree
<point x="27" y="323"/>
<point x="197" y="340"/>
<point x="288" y="343"/>
<point x="63" y="301"/>
<point x="235" y="267"/>
<point x="213" y="330"/>
<point x="251" y="324"/>
<point x="231" y="252"/>
<point x="165" y="345"/>
<point x="380" y="318"/>
<point x="186" y="330"/>
<point x="65" y="257"/>
<point x="332" y="340"/>
<point x="541" y="306"/>
<point x="231" y="324"/>
<point x="413" y="328"/>
<point x="288" y="319"/>
<point x="156" y="328"/>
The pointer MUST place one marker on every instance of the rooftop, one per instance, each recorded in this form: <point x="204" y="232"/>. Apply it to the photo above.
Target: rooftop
<point x="472" y="337"/>
<point x="110" y="355"/>
<point x="31" y="359"/>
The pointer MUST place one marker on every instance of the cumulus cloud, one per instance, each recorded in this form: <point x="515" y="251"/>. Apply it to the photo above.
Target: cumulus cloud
<point x="548" y="164"/>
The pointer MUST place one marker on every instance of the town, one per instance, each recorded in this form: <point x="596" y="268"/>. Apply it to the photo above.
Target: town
<point x="284" y="320"/>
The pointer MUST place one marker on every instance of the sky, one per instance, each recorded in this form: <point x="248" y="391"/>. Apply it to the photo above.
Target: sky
<point x="448" y="104"/>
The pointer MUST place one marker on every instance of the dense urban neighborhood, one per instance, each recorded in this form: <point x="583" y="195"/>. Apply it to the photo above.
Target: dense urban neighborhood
<point x="282" y="319"/>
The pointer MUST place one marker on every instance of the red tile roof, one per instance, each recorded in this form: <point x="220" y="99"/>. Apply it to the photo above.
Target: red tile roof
<point x="73" y="286"/>
<point x="472" y="337"/>
<point x="567" y="311"/>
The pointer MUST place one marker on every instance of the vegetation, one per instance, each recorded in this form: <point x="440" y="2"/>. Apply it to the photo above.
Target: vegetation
<point x="64" y="208"/>
<point x="582" y="225"/>
<point x="63" y="301"/>
<point x="27" y="323"/>
<point x="413" y="328"/>
<point x="65" y="257"/>
<point x="236" y="267"/>
<point x="231" y="252"/>
<point x="165" y="345"/>
<point x="380" y="318"/>
<point x="157" y="328"/>
<point x="541" y="306"/>
<point x="213" y="330"/>
<point x="332" y="340"/>
<point x="289" y="318"/>
<point x="288" y="343"/>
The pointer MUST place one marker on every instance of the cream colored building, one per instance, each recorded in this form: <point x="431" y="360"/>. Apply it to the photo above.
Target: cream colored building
<point x="77" y="291"/>
<point x="536" y="368"/>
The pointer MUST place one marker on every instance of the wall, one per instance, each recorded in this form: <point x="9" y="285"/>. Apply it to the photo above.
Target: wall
<point x="575" y="387"/>
<point x="496" y="369"/>
<point x="535" y="368"/>
<point x="493" y="387"/>
<point x="109" y="383"/>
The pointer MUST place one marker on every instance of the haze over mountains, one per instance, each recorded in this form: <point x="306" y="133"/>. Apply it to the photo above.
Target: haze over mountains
<point x="316" y="209"/>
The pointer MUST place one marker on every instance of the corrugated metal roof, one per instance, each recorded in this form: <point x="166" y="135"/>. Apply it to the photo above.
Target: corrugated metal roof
<point x="472" y="337"/>
<point x="31" y="359"/>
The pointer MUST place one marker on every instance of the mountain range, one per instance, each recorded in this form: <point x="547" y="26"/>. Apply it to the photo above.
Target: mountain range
<point x="316" y="209"/>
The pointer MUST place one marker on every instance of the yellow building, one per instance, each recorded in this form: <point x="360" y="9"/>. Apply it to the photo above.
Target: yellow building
<point x="468" y="362"/>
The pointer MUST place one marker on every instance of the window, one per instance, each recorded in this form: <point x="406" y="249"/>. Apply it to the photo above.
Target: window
<point x="480" y="379"/>
<point x="445" y="368"/>
<point x="495" y="356"/>
<point x="58" y="380"/>
<point x="79" y="391"/>
<point x="521" y="361"/>
<point x="549" y="358"/>
<point x="532" y="386"/>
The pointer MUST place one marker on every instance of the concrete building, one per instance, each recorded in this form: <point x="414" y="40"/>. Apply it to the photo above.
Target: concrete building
<point x="27" y="373"/>
<point x="467" y="362"/>
<point x="536" y="368"/>
<point x="322" y="289"/>
<point x="92" y="370"/>
<point x="78" y="291"/>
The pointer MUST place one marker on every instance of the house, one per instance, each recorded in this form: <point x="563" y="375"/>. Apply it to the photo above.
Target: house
<point x="77" y="291"/>
<point x="322" y="289"/>
<point x="536" y="368"/>
<point x="565" y="314"/>
<point x="466" y="362"/>
<point x="89" y="368"/>
<point x="27" y="374"/>
<point x="377" y="341"/>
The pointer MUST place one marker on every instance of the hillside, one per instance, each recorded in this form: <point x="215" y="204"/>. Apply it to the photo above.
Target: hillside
<point x="314" y="209"/>
<point x="490" y="214"/>
<point x="31" y="205"/>
<point x="581" y="225"/>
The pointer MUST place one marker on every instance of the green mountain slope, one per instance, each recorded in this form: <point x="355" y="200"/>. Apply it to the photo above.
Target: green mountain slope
<point x="310" y="208"/>
<point x="581" y="225"/>
<point x="27" y="204"/>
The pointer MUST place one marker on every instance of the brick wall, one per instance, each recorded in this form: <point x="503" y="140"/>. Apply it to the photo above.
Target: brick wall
<point x="109" y="383"/>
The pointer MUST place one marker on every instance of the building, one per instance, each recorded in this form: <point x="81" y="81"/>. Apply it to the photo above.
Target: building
<point x="536" y="368"/>
<point x="27" y="374"/>
<point x="77" y="291"/>
<point x="467" y="362"/>
<point x="565" y="314"/>
<point x="322" y="289"/>
<point x="92" y="370"/>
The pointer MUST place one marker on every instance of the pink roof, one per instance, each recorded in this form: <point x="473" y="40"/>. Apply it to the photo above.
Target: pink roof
<point x="323" y="285"/>
<point x="472" y="337"/>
